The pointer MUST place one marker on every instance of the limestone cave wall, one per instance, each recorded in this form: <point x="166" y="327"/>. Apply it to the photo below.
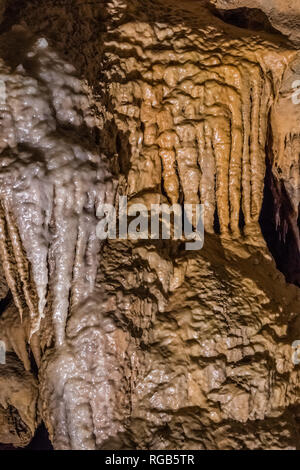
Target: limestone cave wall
<point x="141" y="344"/>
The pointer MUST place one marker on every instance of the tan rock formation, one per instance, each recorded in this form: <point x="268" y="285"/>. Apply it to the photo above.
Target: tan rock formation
<point x="140" y="343"/>
<point x="18" y="403"/>
<point x="282" y="14"/>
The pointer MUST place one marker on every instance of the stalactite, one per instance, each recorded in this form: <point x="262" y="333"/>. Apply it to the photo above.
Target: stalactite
<point x="50" y="187"/>
<point x="205" y="116"/>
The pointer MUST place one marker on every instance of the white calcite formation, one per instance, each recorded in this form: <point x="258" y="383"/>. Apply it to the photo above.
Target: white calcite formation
<point x="51" y="184"/>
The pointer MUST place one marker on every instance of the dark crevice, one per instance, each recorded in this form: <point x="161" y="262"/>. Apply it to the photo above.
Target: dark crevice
<point x="5" y="302"/>
<point x="241" y="220"/>
<point x="33" y="365"/>
<point x="275" y="221"/>
<point x="217" y="228"/>
<point x="12" y="15"/>
<point x="123" y="150"/>
<point x="40" y="440"/>
<point x="252" y="19"/>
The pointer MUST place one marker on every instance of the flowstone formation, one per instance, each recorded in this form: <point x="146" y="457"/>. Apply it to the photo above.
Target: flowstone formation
<point x="140" y="344"/>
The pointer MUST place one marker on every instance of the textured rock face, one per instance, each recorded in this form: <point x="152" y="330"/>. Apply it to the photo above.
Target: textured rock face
<point x="283" y="15"/>
<point x="141" y="344"/>
<point x="18" y="400"/>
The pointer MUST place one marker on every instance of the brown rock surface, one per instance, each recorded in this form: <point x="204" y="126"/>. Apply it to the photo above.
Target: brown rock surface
<point x="18" y="403"/>
<point x="284" y="15"/>
<point x="142" y="344"/>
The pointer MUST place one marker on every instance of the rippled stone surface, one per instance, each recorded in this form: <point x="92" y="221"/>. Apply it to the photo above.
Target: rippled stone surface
<point x="141" y="344"/>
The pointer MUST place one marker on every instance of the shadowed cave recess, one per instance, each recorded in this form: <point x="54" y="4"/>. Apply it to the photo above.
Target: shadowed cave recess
<point x="141" y="344"/>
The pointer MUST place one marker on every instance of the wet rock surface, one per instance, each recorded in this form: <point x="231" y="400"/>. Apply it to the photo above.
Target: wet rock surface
<point x="140" y="344"/>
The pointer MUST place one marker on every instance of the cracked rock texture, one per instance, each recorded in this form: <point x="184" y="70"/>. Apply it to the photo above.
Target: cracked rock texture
<point x="140" y="344"/>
